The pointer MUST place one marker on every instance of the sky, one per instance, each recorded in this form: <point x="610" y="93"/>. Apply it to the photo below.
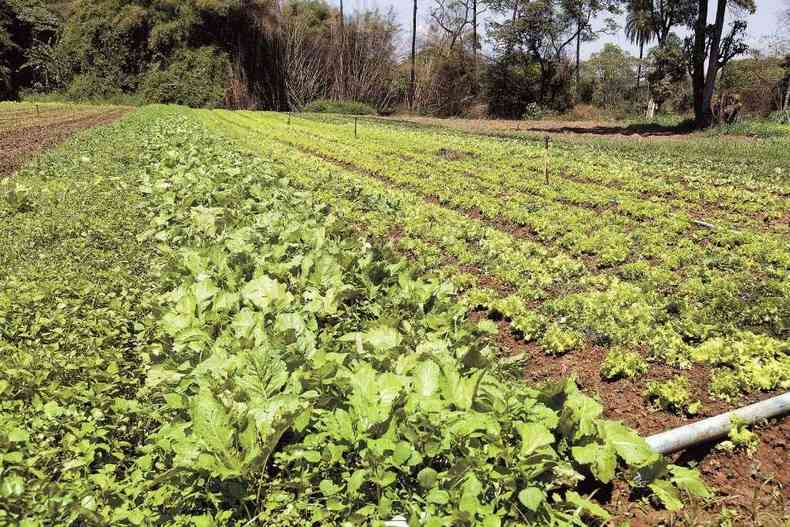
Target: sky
<point x="764" y="22"/>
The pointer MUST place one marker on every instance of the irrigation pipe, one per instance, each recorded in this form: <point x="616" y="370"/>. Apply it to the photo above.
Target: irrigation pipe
<point x="689" y="435"/>
<point x="719" y="426"/>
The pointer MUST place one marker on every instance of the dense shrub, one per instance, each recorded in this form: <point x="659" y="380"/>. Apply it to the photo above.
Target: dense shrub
<point x="343" y="107"/>
<point x="194" y="77"/>
<point x="91" y="87"/>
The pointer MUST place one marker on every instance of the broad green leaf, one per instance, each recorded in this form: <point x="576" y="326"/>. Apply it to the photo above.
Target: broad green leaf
<point x="588" y="506"/>
<point x="382" y="338"/>
<point x="601" y="458"/>
<point x="667" y="494"/>
<point x="427" y="477"/>
<point x="266" y="293"/>
<point x="244" y="322"/>
<point x="328" y="487"/>
<point x="426" y="378"/>
<point x="210" y="422"/>
<point x="402" y="453"/>
<point x="17" y="435"/>
<point x="158" y="374"/>
<point x="204" y="291"/>
<point x="533" y="437"/>
<point x="487" y="326"/>
<point x="631" y="447"/>
<point x="470" y="491"/>
<point x="356" y="480"/>
<point x="438" y="496"/>
<point x="690" y="481"/>
<point x="531" y="498"/>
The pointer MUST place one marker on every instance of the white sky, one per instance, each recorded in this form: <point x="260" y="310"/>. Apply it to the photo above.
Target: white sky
<point x="764" y="22"/>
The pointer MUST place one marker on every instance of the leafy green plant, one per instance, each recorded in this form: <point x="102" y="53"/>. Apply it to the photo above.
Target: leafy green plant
<point x="17" y="197"/>
<point x="246" y="355"/>
<point x="340" y="107"/>
<point x="673" y="395"/>
<point x="740" y="437"/>
<point x="558" y="341"/>
<point x="620" y="363"/>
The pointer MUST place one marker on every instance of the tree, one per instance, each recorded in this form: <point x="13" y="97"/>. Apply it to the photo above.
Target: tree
<point x="612" y="72"/>
<point x="26" y="29"/>
<point x="711" y="50"/>
<point x="667" y="14"/>
<point x="476" y="45"/>
<point x="639" y="29"/>
<point x="538" y="32"/>
<point x="413" y="81"/>
<point x="452" y="17"/>
<point x="668" y="69"/>
<point x="583" y="12"/>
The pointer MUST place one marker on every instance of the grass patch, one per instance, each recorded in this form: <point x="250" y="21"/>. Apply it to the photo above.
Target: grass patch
<point x="340" y="107"/>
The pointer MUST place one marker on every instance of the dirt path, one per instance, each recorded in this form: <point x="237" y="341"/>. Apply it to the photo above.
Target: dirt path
<point x="19" y="144"/>
<point x="582" y="129"/>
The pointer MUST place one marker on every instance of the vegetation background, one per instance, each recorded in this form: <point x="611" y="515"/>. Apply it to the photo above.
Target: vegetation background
<point x="498" y="58"/>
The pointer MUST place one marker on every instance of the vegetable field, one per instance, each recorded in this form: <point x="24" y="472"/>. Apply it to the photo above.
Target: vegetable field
<point x="236" y="318"/>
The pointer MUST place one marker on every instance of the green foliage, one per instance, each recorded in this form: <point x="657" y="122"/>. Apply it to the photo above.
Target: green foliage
<point x="187" y="339"/>
<point x="558" y="340"/>
<point x="17" y="197"/>
<point x="612" y="73"/>
<point x="620" y="363"/>
<point x="740" y="437"/>
<point x="195" y="78"/>
<point x="76" y="320"/>
<point x="89" y="87"/>
<point x="340" y="107"/>
<point x="673" y="395"/>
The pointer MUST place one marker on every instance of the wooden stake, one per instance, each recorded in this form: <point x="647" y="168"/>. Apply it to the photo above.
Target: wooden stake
<point x="289" y="118"/>
<point x="546" y="158"/>
<point x="355" y="127"/>
<point x="37" y="112"/>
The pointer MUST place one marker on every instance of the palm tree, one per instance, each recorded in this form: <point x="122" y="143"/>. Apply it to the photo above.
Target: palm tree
<point x="639" y="28"/>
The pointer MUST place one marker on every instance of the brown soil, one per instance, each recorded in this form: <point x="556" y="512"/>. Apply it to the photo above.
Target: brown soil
<point x="610" y="130"/>
<point x="19" y="144"/>
<point x="756" y="485"/>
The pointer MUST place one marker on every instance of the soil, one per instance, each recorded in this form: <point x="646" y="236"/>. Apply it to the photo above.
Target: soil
<point x="20" y="143"/>
<point x="611" y="130"/>
<point x="756" y="485"/>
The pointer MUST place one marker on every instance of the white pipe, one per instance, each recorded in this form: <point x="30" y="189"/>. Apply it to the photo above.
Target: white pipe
<point x="717" y="427"/>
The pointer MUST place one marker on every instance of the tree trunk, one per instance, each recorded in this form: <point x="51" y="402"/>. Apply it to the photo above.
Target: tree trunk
<point x="786" y="106"/>
<point x="474" y="48"/>
<point x="639" y="70"/>
<point x="413" y="83"/>
<point x="698" y="66"/>
<point x="578" y="56"/>
<point x="342" y="53"/>
<point x="704" y="113"/>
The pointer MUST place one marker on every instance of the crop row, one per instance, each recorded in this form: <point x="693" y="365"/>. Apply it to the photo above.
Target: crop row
<point x="692" y="323"/>
<point x="278" y="369"/>
<point x="605" y="238"/>
<point x="697" y="191"/>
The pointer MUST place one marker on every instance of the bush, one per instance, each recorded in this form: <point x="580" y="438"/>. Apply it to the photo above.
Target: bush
<point x="343" y="107"/>
<point x="90" y="87"/>
<point x="194" y="77"/>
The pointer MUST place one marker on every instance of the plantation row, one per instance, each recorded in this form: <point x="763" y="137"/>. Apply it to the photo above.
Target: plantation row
<point x="680" y="295"/>
<point x="591" y="175"/>
<point x="187" y="340"/>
